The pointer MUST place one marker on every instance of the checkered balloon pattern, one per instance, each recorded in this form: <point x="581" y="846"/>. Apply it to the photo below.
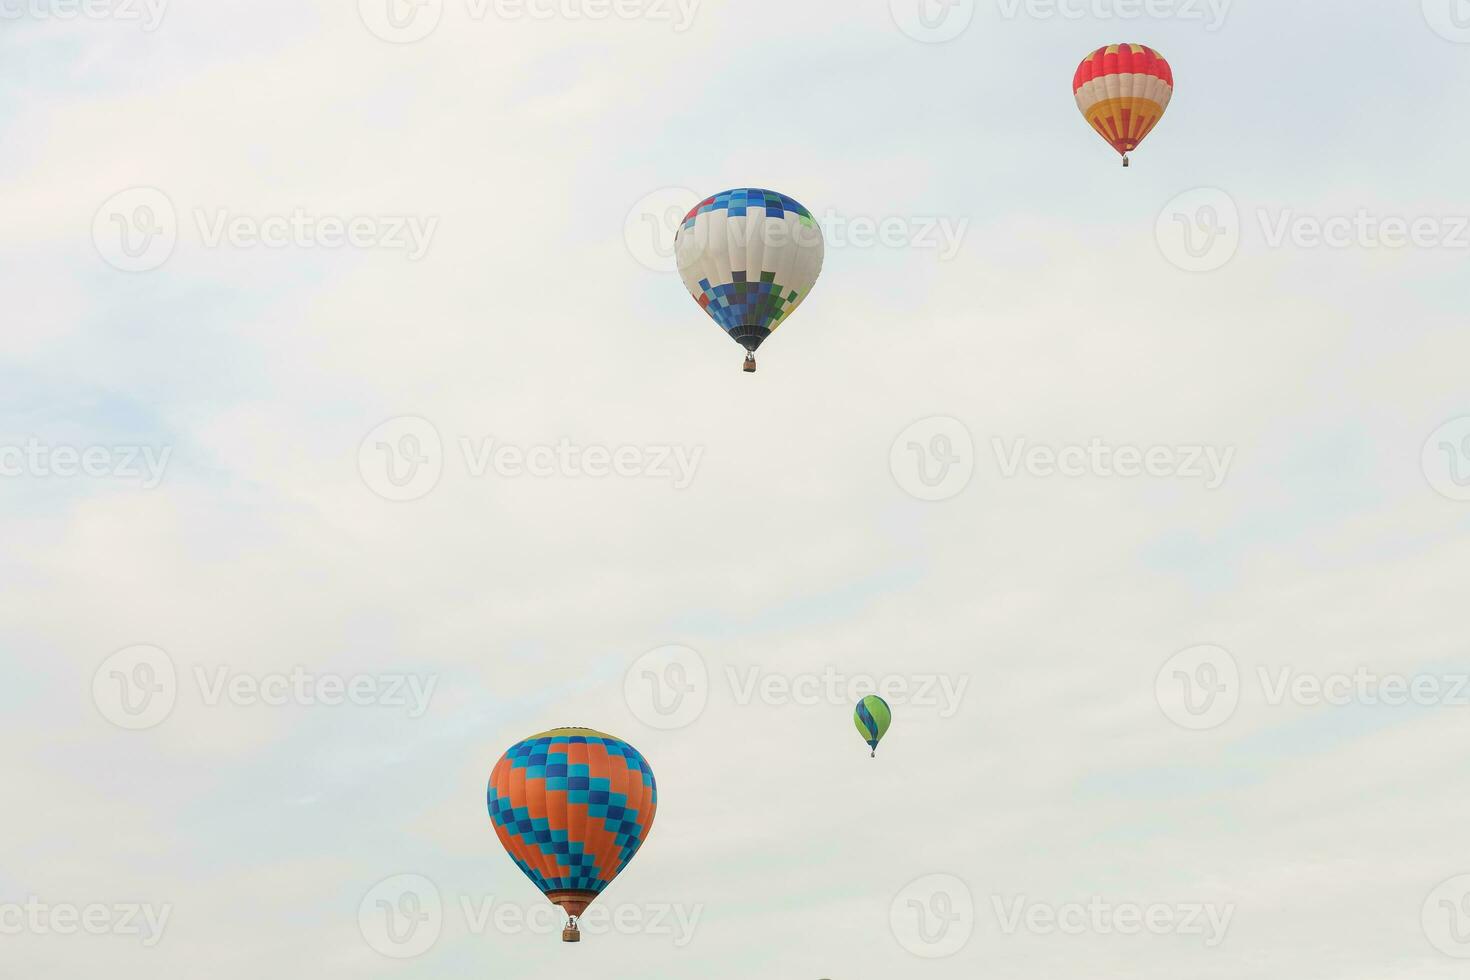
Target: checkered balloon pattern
<point x="572" y="806"/>
<point x="749" y="257"/>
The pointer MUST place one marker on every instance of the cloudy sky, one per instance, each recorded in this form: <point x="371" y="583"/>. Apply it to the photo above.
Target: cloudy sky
<point x="354" y="425"/>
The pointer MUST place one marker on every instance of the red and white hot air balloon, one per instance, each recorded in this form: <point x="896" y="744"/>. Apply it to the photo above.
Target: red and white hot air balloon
<point x="1123" y="90"/>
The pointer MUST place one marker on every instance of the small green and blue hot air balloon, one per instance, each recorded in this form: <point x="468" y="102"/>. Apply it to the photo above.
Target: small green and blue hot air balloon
<point x="872" y="718"/>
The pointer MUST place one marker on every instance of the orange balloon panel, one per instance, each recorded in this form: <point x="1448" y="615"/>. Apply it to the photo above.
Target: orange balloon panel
<point x="1123" y="90"/>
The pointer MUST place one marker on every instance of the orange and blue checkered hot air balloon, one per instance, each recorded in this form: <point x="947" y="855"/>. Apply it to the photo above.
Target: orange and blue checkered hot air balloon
<point x="1123" y="90"/>
<point x="749" y="257"/>
<point x="572" y="806"/>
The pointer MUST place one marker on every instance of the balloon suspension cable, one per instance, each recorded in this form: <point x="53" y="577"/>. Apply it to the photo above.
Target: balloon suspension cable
<point x="750" y="364"/>
<point x="571" y="934"/>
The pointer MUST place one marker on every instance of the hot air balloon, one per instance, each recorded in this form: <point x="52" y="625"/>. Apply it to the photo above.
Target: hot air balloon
<point x="749" y="257"/>
<point x="572" y="806"/>
<point x="1123" y="90"/>
<point x="872" y="718"/>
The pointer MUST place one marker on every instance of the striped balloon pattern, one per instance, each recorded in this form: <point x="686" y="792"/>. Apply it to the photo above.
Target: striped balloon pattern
<point x="872" y="718"/>
<point x="749" y="257"/>
<point x="1123" y="90"/>
<point x="571" y="807"/>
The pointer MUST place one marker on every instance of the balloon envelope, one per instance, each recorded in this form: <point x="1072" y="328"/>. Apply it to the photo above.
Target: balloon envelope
<point x="749" y="257"/>
<point x="1123" y="90"/>
<point x="571" y="807"/>
<point x="872" y="718"/>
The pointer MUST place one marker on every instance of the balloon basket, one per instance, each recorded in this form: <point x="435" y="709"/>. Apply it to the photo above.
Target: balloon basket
<point x="571" y="934"/>
<point x="750" y="364"/>
<point x="1125" y="161"/>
